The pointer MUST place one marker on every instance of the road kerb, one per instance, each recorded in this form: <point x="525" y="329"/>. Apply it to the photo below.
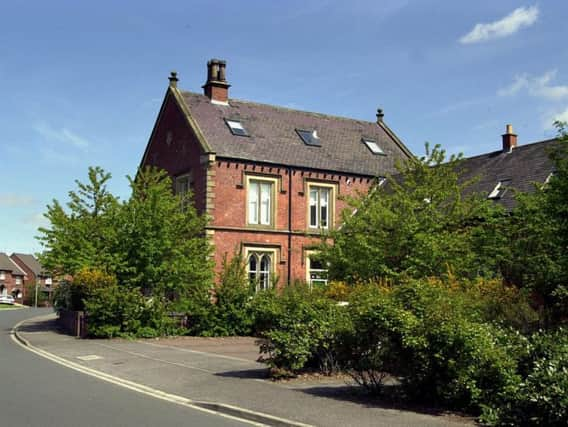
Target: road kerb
<point x="228" y="411"/>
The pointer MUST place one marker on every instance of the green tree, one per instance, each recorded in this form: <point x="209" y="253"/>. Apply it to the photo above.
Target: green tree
<point x="161" y="242"/>
<point x="83" y="235"/>
<point x="423" y="222"/>
<point x="537" y="238"/>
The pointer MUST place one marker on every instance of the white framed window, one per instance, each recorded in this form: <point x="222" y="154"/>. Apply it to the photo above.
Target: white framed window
<point x="373" y="146"/>
<point x="321" y="204"/>
<point x="316" y="270"/>
<point x="261" y="267"/>
<point x="236" y="127"/>
<point x="183" y="184"/>
<point x="18" y="280"/>
<point x="261" y="201"/>
<point x="500" y="189"/>
<point x="2" y="275"/>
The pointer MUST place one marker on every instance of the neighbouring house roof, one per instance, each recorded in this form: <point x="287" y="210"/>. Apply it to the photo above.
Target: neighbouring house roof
<point x="32" y="263"/>
<point x="273" y="137"/>
<point x="6" y="264"/>
<point x="518" y="170"/>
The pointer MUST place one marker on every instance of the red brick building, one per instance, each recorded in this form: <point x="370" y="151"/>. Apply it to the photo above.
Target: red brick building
<point x="270" y="178"/>
<point x="11" y="278"/>
<point x="35" y="275"/>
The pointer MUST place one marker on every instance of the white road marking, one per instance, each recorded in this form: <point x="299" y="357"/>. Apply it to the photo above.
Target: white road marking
<point x="221" y="356"/>
<point x="149" y="391"/>
<point x="143" y="356"/>
<point x="89" y="357"/>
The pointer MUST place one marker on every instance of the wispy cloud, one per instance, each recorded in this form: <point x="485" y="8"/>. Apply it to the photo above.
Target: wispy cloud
<point x="551" y="116"/>
<point x="509" y="25"/>
<point x="57" y="156"/>
<point x="12" y="200"/>
<point x="561" y="116"/>
<point x="62" y="135"/>
<point x="36" y="220"/>
<point x="459" y="105"/>
<point x="539" y="86"/>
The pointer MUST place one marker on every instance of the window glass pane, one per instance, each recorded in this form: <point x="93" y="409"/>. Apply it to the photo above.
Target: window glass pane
<point x="253" y="195"/>
<point x="374" y="147"/>
<point x="252" y="268"/>
<point x="236" y="128"/>
<point x="266" y="190"/>
<point x="317" y="272"/>
<point x="324" y="210"/>
<point x="313" y="208"/>
<point x="265" y="272"/>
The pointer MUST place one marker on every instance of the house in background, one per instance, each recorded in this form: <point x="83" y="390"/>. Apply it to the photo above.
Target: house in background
<point x="11" y="278"/>
<point x="35" y="275"/>
<point x="270" y="178"/>
<point x="511" y="168"/>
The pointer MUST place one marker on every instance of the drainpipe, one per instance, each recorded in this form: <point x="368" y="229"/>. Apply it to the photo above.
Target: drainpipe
<point x="36" y="287"/>
<point x="289" y="223"/>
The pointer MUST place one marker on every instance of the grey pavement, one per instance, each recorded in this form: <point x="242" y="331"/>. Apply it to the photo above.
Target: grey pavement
<point x="35" y="391"/>
<point x="225" y="371"/>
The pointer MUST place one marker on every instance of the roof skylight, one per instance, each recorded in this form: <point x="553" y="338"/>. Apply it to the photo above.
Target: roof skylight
<point x="373" y="146"/>
<point x="310" y="137"/>
<point x="500" y="189"/>
<point x="236" y="127"/>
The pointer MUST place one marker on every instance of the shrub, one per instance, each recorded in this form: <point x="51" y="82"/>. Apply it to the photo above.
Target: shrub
<point x="114" y="311"/>
<point x="541" y="398"/>
<point x="304" y="330"/>
<point x="233" y="298"/>
<point x="228" y="312"/>
<point x="432" y="339"/>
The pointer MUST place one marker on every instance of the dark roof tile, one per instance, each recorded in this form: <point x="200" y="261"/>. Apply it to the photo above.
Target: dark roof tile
<point x="273" y="137"/>
<point x="524" y="165"/>
<point x="6" y="264"/>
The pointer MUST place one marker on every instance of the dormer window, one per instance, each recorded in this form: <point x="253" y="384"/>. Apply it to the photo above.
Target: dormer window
<point x="500" y="189"/>
<point x="373" y="146"/>
<point x="310" y="137"/>
<point x="236" y="127"/>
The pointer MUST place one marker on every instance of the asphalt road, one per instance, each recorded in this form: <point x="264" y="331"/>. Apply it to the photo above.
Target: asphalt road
<point x="37" y="392"/>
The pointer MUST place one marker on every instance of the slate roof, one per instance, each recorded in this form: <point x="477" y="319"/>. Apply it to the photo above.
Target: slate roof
<point x="523" y="166"/>
<point x="273" y="137"/>
<point x="6" y="264"/>
<point x="32" y="263"/>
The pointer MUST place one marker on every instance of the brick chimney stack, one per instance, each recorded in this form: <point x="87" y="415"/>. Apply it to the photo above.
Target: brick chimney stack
<point x="509" y="140"/>
<point x="216" y="87"/>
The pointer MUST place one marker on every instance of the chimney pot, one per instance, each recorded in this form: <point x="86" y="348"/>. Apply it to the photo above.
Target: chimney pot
<point x="216" y="87"/>
<point x="509" y="139"/>
<point x="222" y="71"/>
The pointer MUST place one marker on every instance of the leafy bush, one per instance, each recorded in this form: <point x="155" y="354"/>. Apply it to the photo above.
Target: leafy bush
<point x="433" y="340"/>
<point x="114" y="311"/>
<point x="71" y="294"/>
<point x="303" y="330"/>
<point x="233" y="296"/>
<point x="541" y="398"/>
<point x="227" y="311"/>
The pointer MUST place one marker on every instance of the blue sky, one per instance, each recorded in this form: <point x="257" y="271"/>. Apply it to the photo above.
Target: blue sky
<point x="81" y="83"/>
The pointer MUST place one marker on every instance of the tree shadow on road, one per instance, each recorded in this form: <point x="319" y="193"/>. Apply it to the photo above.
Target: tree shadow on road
<point x="255" y="374"/>
<point x="391" y="399"/>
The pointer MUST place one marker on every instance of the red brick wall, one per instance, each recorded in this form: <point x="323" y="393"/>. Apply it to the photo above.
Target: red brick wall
<point x="230" y="211"/>
<point x="9" y="283"/>
<point x="175" y="148"/>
